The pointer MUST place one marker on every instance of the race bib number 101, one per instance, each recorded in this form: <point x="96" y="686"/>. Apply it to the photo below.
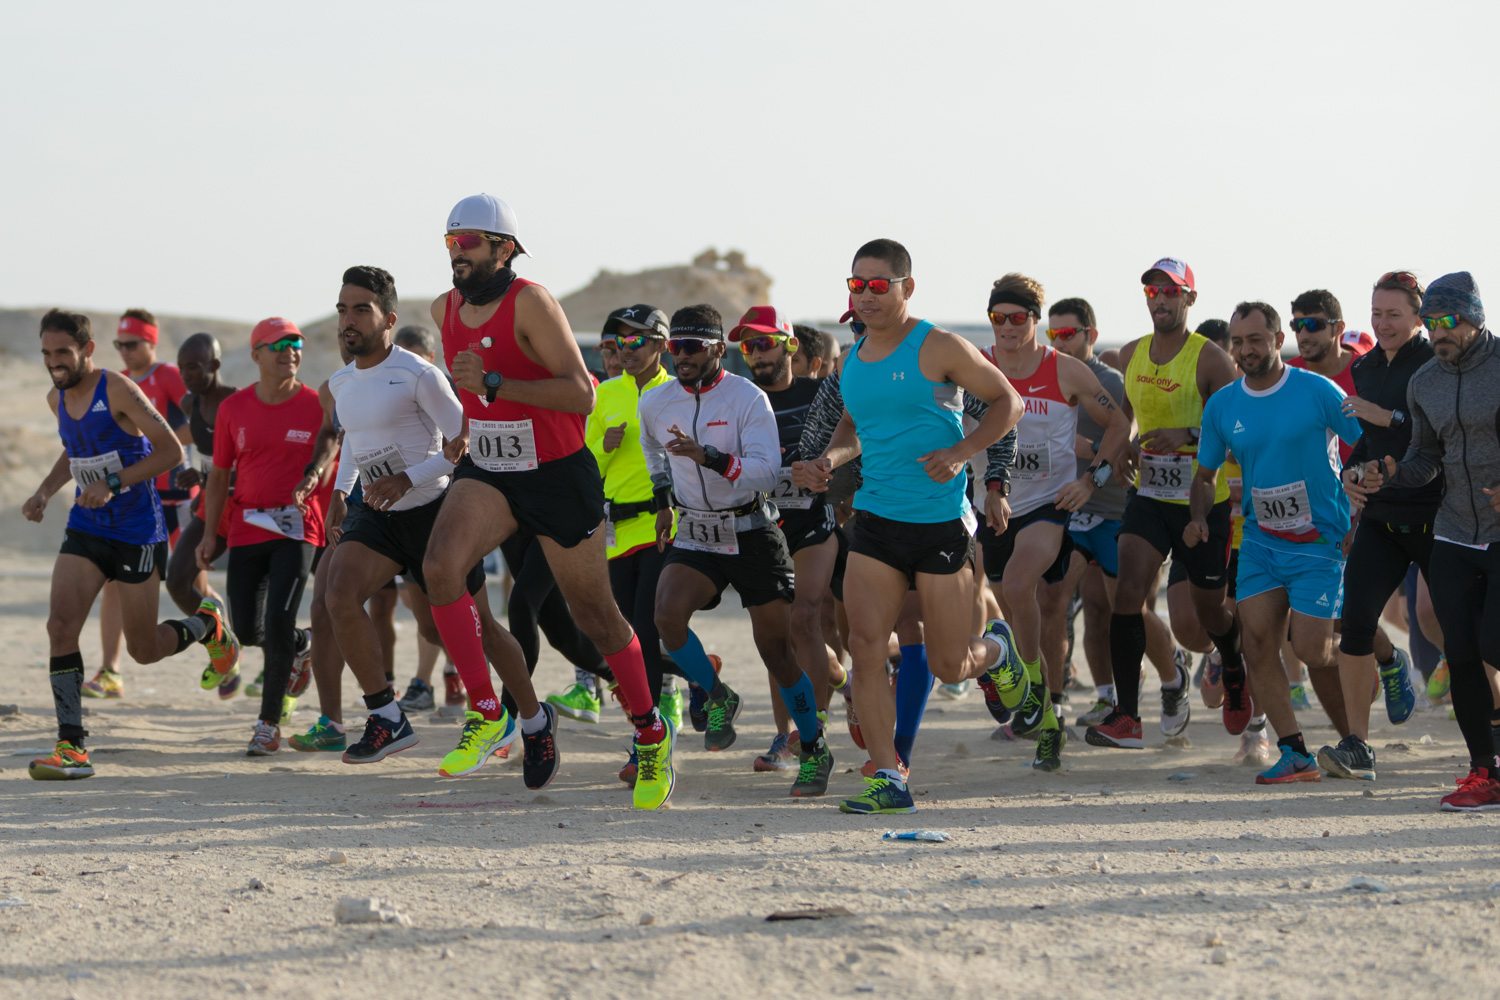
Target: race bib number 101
<point x="374" y="465"/>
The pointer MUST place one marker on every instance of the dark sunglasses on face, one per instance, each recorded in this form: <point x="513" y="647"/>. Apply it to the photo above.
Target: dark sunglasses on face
<point x="1066" y="332"/>
<point x="1015" y="318"/>
<point x="1166" y="291"/>
<point x="1446" y="322"/>
<point x="765" y="342"/>
<point x="878" y="286"/>
<point x="1312" y="324"/>
<point x="285" y="343"/>
<point x="687" y="345"/>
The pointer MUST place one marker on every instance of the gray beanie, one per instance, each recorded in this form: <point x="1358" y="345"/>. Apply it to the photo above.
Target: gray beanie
<point x="1454" y="294"/>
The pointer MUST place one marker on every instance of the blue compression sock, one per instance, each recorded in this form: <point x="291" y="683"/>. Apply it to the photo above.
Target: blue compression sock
<point x="804" y="709"/>
<point x="913" y="685"/>
<point x="694" y="662"/>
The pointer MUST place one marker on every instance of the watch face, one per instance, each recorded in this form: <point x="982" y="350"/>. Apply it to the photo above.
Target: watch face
<point x="492" y="379"/>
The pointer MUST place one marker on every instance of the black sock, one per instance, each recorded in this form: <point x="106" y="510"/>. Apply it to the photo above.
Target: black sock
<point x="718" y="690"/>
<point x="1127" y="646"/>
<point x="193" y="628"/>
<point x="1295" y="742"/>
<point x="1228" y="646"/>
<point x="379" y="699"/>
<point x="66" y="674"/>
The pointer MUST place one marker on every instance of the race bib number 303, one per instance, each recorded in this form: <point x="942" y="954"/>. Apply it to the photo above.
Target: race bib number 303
<point x="502" y="445"/>
<point x="1166" y="477"/>
<point x="1285" y="511"/>
<point x="707" y="531"/>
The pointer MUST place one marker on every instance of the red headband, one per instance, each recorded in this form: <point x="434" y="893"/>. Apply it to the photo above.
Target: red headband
<point x="140" y="328"/>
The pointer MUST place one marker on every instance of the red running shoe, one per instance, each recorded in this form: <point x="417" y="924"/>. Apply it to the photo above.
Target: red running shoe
<point x="1478" y="791"/>
<point x="1238" y="705"/>
<point x="453" y="690"/>
<point x="1117" y="730"/>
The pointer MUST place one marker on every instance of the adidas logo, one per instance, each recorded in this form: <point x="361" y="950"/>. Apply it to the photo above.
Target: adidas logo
<point x="99" y="407"/>
<point x="1238" y="426"/>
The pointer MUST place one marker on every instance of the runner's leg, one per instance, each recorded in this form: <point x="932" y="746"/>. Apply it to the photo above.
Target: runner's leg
<point x="76" y="581"/>
<point x="327" y="659"/>
<point x="383" y="615"/>
<point x="873" y="595"/>
<point x="1264" y="622"/>
<point x="287" y="565"/>
<point x="187" y="585"/>
<point x="1139" y="562"/>
<point x="356" y="574"/>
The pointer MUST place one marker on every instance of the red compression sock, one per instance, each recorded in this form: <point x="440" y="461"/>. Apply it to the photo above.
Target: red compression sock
<point x="630" y="673"/>
<point x="463" y="636"/>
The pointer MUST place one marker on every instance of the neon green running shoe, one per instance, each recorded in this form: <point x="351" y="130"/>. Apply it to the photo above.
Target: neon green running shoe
<point x="481" y="738"/>
<point x="672" y="705"/>
<point x="106" y="684"/>
<point x="577" y="703"/>
<point x="253" y="689"/>
<point x="324" y="735"/>
<point x="1299" y="698"/>
<point x="1438" y="684"/>
<point x="655" y="777"/>
<point x="1008" y="674"/>
<point x="881" y="795"/>
<point x="288" y="706"/>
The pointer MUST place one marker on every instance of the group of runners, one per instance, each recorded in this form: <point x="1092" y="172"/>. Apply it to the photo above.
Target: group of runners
<point x="843" y="498"/>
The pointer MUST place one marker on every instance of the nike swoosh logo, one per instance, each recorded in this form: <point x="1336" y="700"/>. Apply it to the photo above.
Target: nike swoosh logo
<point x="591" y="531"/>
<point x="1034" y="718"/>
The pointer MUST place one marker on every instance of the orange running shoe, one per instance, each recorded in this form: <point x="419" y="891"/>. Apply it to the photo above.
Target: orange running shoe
<point x="66" y="764"/>
<point x="223" y="647"/>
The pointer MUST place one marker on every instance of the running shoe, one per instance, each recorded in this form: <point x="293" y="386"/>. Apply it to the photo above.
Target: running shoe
<point x="223" y="648"/>
<point x="1049" y="747"/>
<point x="229" y="684"/>
<point x="1032" y="710"/>
<point x="288" y="706"/>
<point x="301" y="675"/>
<point x="481" y="738"/>
<point x="418" y="697"/>
<point x="868" y="769"/>
<point x="851" y="718"/>
<point x="1439" y="683"/>
<point x="671" y="704"/>
<point x="779" y="757"/>
<point x="1098" y="713"/>
<point x="1352" y="758"/>
<point x="1478" y="791"/>
<point x="1237" y="706"/>
<point x="955" y="692"/>
<point x="321" y="735"/>
<point x="992" y="701"/>
<point x="1213" y="680"/>
<point x="1117" y="730"/>
<point x="721" y="715"/>
<point x="881" y="795"/>
<point x="632" y="765"/>
<point x="813" y="768"/>
<point x="1299" y="698"/>
<point x="540" y="760"/>
<point x="253" y="689"/>
<point x="1198" y="674"/>
<point x="381" y="739"/>
<point x="1177" y="703"/>
<point x="67" y="763"/>
<point x="1008" y="675"/>
<point x="105" y="684"/>
<point x="1255" y="749"/>
<point x="1292" y="766"/>
<point x="265" y="741"/>
<point x="453" y="690"/>
<point x="1400" y="695"/>
<point x="697" y="714"/>
<point x="578" y="703"/>
<point x="655" y="775"/>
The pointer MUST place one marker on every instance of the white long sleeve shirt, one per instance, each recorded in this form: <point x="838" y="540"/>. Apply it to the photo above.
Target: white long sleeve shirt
<point x="395" y="416"/>
<point x="730" y="414"/>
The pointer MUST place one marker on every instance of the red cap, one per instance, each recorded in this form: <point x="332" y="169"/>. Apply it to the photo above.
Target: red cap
<point x="268" y="331"/>
<point x="850" y="314"/>
<point x="761" y="319"/>
<point x="138" y="328"/>
<point x="1175" y="269"/>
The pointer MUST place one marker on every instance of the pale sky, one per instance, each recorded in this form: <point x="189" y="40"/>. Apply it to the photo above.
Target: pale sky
<point x="230" y="160"/>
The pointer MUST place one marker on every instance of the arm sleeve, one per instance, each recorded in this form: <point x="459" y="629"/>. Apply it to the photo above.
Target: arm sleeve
<point x="1000" y="456"/>
<point x="823" y="415"/>
<point x="759" y="465"/>
<point x="224" y="435"/>
<point x="437" y="399"/>
<point x="1424" y="458"/>
<point x="1211" y="446"/>
<point x="348" y="473"/>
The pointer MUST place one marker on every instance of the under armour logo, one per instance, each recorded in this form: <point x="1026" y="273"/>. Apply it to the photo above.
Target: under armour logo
<point x="896" y="375"/>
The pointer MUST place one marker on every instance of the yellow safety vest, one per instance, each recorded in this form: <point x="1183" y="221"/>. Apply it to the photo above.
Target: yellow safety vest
<point x="626" y="478"/>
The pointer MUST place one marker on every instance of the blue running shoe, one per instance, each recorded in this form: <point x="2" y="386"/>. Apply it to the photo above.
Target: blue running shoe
<point x="697" y="712"/>
<point x="881" y="795"/>
<point x="1400" y="695"/>
<point x="382" y="738"/>
<point x="1299" y="698"/>
<point x="1292" y="766"/>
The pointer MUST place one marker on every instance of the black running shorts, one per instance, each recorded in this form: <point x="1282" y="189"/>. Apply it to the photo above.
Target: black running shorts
<point x="999" y="548"/>
<point x="401" y="536"/>
<point x="1162" y="523"/>
<point x="942" y="548"/>
<point x="123" y="562"/>
<point x="562" y="499"/>
<point x="761" y="571"/>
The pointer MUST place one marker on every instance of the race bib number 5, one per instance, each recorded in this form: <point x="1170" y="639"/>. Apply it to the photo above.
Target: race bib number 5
<point x="707" y="531"/>
<point x="502" y="445"/>
<point x="1165" y="477"/>
<point x="285" y="521"/>
<point x="788" y="497"/>
<point x="1285" y="511"/>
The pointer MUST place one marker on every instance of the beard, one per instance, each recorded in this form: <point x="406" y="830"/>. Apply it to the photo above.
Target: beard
<point x="1314" y="352"/>
<point x="1261" y="370"/>
<point x="772" y="375"/>
<point x="360" y="347"/>
<point x="68" y="381"/>
<point x="480" y="274"/>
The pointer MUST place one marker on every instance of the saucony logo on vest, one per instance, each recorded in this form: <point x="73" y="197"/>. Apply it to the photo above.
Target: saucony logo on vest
<point x="1163" y="383"/>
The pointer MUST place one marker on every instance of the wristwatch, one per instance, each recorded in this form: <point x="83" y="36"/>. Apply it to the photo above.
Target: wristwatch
<point x="1001" y="486"/>
<point x="316" y="471"/>
<point x="1397" y="418"/>
<point x="492" y="382"/>
<point x="1195" y="433"/>
<point x="113" y="482"/>
<point x="1099" y="475"/>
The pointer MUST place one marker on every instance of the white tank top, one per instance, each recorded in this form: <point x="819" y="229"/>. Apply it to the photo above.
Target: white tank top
<point x="1045" y="462"/>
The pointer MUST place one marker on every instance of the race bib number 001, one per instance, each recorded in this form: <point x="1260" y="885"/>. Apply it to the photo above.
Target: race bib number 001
<point x="374" y="465"/>
<point x="707" y="531"/>
<point x="1033" y="462"/>
<point x="1166" y="477"/>
<point x="285" y="521"/>
<point x="502" y="445"/>
<point x="1285" y="511"/>
<point x="788" y="497"/>
<point x="93" y="468"/>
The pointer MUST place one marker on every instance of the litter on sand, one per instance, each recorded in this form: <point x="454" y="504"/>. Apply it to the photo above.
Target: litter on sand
<point x="936" y="836"/>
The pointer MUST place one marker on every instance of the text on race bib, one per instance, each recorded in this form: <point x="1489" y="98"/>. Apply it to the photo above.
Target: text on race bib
<point x="1285" y="511"/>
<point x="707" y="531"/>
<point x="1165" y="477"/>
<point x="1033" y="462"/>
<point x="374" y="465"/>
<point x="502" y="445"/>
<point x="285" y="521"/>
<point x="788" y="497"/>
<point x="1079" y="521"/>
<point x="94" y="468"/>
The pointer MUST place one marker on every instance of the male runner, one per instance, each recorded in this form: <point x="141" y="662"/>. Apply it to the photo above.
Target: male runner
<point x="396" y="410"/>
<point x="525" y="391"/>
<point x="1318" y="323"/>
<point x="136" y="338"/>
<point x="1291" y="570"/>
<point x="815" y="352"/>
<point x="114" y="445"/>
<point x="1453" y="402"/>
<point x="806" y="519"/>
<point x="1395" y="526"/>
<point x="1046" y="488"/>
<point x="1169" y="373"/>
<point x="901" y="387"/>
<point x="267" y="433"/>
<point x="713" y="449"/>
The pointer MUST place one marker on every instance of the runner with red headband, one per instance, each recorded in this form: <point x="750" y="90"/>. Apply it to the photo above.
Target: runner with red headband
<point x="525" y="392"/>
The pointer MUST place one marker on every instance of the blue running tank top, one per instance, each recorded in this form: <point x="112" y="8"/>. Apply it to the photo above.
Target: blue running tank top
<point x="901" y="414"/>
<point x="97" y="446"/>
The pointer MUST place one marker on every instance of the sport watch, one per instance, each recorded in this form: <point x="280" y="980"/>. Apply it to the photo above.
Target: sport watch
<point x="113" y="482"/>
<point x="1099" y="475"/>
<point x="1397" y="418"/>
<point x="492" y="382"/>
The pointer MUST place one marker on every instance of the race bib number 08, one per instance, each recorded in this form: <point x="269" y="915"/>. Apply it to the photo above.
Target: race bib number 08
<point x="788" y="497"/>
<point x="93" y="468"/>
<point x="374" y="465"/>
<point x="707" y="531"/>
<point x="502" y="445"/>
<point x="1165" y="477"/>
<point x="1033" y="462"/>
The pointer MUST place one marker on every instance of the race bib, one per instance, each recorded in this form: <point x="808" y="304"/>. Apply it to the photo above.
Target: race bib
<point x="374" y="465"/>
<point x="707" y="531"/>
<point x="94" y="468"/>
<point x="286" y="521"/>
<point x="788" y="497"/>
<point x="1033" y="461"/>
<point x="1285" y="511"/>
<point x="502" y="445"/>
<point x="1166" y="477"/>
<point x="1081" y="522"/>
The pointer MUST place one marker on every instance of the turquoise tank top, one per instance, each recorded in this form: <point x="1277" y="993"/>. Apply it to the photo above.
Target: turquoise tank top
<point x="901" y="414"/>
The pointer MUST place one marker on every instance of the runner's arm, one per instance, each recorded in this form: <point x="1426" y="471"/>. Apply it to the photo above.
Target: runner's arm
<point x="1424" y="457"/>
<point x="1212" y="451"/>
<point x="960" y="362"/>
<point x="1000" y="456"/>
<point x="166" y="451"/>
<point x="1080" y="382"/>
<point x="323" y="448"/>
<point x="36" y="504"/>
<point x="656" y="458"/>
<point x="759" y="465"/>
<point x="438" y="400"/>
<point x="216" y="490"/>
<point x="542" y="326"/>
<point x="593" y="439"/>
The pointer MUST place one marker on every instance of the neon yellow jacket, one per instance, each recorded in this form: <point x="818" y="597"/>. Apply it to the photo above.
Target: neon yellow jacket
<point x="626" y="478"/>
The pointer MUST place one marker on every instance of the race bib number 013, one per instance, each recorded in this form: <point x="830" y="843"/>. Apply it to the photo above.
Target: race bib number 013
<point x="1285" y="511"/>
<point x="707" y="531"/>
<point x="374" y="465"/>
<point x="1165" y="477"/>
<point x="93" y="468"/>
<point x="502" y="445"/>
<point x="285" y="521"/>
<point x="788" y="497"/>
<point x="1033" y="462"/>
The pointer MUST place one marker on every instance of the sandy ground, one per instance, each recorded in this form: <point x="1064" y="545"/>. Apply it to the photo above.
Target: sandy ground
<point x="1108" y="875"/>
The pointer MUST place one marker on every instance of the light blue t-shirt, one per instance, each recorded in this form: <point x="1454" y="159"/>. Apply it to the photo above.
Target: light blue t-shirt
<point x="1285" y="439"/>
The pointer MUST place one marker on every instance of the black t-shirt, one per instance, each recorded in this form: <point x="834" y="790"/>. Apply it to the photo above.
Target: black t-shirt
<point x="791" y="406"/>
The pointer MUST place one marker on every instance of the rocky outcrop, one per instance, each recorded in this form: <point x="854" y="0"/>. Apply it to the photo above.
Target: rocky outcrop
<point x="725" y="281"/>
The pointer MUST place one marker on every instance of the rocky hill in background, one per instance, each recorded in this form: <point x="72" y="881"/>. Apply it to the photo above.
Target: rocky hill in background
<point x="726" y="282"/>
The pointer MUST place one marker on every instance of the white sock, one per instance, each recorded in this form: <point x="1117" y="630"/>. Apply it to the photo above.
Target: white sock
<point x="1106" y="692"/>
<point x="535" y="724"/>
<point x="1257" y="724"/>
<point x="390" y="711"/>
<point x="1175" y="682"/>
<point x="890" y="775"/>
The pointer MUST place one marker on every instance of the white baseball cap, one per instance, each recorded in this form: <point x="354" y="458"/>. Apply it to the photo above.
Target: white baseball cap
<point x="486" y="213"/>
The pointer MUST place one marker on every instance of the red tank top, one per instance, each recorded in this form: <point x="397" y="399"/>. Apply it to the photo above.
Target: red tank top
<point x="556" y="434"/>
